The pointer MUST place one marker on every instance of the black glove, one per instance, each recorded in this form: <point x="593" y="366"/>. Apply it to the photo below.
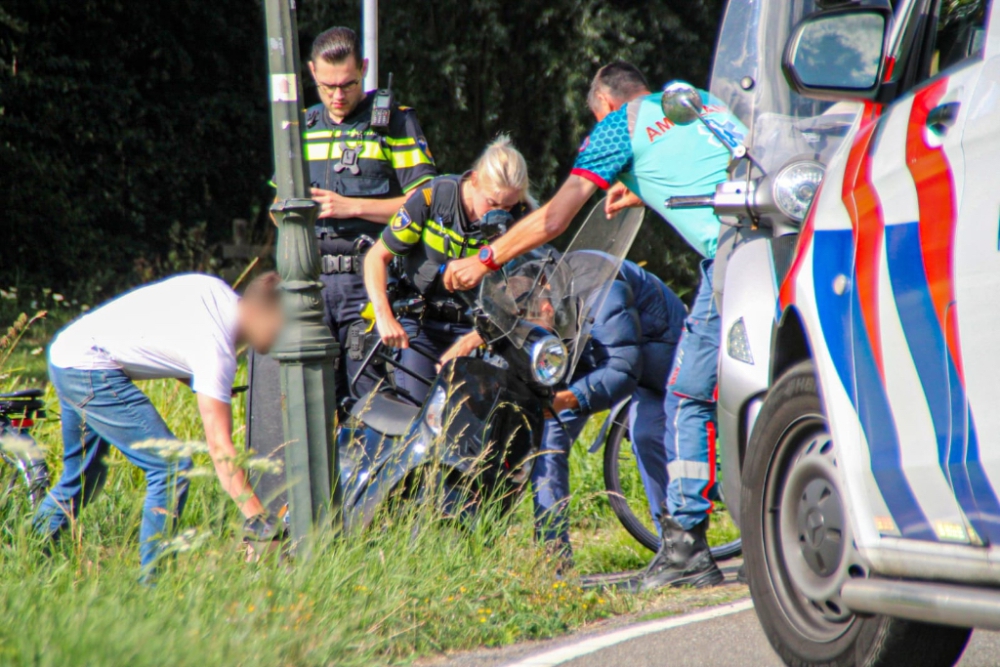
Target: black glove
<point x="262" y="528"/>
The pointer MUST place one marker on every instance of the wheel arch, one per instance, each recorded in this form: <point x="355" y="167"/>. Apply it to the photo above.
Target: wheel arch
<point x="790" y="344"/>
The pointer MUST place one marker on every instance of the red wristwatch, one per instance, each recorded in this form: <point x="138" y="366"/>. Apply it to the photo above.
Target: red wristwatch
<point x="486" y="257"/>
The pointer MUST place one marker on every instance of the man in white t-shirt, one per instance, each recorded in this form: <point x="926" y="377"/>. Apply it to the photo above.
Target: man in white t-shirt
<point x="186" y="327"/>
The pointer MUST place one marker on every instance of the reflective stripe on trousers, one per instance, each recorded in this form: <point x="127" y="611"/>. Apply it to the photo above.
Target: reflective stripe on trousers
<point x="690" y="408"/>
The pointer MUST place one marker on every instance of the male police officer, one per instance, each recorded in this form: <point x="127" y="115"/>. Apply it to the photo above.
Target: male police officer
<point x="656" y="159"/>
<point x="360" y="172"/>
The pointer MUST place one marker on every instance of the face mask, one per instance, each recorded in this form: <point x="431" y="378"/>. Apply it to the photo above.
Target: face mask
<point x="495" y="223"/>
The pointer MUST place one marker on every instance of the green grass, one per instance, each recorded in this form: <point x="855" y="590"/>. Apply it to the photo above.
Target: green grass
<point x="387" y="597"/>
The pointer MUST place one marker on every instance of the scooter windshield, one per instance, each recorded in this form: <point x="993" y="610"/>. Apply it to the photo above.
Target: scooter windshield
<point x="748" y="78"/>
<point x="561" y="293"/>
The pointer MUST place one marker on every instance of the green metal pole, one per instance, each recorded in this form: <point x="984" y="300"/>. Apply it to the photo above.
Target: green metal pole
<point x="306" y="350"/>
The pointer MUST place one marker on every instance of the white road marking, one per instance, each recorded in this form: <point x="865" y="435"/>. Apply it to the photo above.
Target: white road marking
<point x="587" y="646"/>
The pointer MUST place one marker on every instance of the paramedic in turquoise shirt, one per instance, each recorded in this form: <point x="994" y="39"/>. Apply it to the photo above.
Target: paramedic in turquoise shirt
<point x="651" y="159"/>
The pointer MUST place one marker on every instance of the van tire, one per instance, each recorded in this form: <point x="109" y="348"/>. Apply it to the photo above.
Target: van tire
<point x="788" y="449"/>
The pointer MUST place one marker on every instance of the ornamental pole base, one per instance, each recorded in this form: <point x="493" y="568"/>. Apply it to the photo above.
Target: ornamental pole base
<point x="307" y="354"/>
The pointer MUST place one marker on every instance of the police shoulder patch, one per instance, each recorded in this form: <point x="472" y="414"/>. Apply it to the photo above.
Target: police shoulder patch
<point x="401" y="220"/>
<point x="312" y="118"/>
<point x="422" y="143"/>
<point x="428" y="195"/>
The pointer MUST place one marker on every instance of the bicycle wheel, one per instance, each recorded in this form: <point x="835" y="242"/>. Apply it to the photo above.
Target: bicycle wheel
<point x="617" y="466"/>
<point x="619" y="480"/>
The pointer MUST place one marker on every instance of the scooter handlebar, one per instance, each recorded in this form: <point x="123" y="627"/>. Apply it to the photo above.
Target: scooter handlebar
<point x="696" y="201"/>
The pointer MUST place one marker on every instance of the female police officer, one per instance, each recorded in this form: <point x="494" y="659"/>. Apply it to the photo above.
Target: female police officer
<point x="442" y="220"/>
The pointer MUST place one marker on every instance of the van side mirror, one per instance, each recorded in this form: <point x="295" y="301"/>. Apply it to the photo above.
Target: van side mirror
<point x="838" y="54"/>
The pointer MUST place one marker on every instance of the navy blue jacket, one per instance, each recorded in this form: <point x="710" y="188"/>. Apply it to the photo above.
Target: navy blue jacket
<point x="632" y="341"/>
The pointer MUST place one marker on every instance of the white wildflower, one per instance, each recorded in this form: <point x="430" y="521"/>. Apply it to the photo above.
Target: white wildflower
<point x="198" y="471"/>
<point x="20" y="447"/>
<point x="58" y="297"/>
<point x="174" y="449"/>
<point x="265" y="465"/>
<point x="37" y="351"/>
<point x="188" y="540"/>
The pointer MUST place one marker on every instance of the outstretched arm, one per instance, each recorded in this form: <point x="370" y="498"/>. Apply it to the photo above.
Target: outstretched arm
<point x="537" y="228"/>
<point x="376" y="284"/>
<point x="217" y="418"/>
<point x="462" y="347"/>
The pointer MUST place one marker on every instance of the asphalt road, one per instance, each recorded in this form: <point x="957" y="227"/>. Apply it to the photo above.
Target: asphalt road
<point x="725" y="636"/>
<point x="733" y="641"/>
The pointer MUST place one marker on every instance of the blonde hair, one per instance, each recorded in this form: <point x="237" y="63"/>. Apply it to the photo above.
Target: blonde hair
<point x="502" y="167"/>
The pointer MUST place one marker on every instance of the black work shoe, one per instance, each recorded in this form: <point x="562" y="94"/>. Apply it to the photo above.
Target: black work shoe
<point x="741" y="574"/>
<point x="684" y="559"/>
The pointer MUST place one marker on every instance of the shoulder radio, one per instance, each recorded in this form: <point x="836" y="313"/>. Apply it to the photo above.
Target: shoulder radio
<point x="382" y="107"/>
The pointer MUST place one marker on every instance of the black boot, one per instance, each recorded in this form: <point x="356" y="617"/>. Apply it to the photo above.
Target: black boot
<point x="684" y="559"/>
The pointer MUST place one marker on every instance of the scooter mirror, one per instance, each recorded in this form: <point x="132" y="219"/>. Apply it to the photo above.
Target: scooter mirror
<point x="681" y="103"/>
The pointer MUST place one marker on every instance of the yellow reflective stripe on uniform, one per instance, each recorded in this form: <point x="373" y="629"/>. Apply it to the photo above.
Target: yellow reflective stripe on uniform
<point x="327" y="150"/>
<point x="409" y="158"/>
<point x="409" y="235"/>
<point x="435" y="242"/>
<point x="350" y="135"/>
<point x="401" y="141"/>
<point x="435" y="234"/>
<point x="416" y="184"/>
<point x="442" y="230"/>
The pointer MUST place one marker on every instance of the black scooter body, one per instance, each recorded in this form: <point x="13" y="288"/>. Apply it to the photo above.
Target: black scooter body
<point x="492" y="423"/>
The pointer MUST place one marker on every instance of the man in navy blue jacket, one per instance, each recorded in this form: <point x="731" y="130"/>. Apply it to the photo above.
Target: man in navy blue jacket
<point x="630" y="353"/>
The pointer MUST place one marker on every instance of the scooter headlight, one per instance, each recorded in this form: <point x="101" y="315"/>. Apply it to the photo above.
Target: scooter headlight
<point x="548" y="360"/>
<point x="796" y="186"/>
<point x="434" y="416"/>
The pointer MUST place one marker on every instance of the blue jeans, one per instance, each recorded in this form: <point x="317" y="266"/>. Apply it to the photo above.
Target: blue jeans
<point x="101" y="409"/>
<point x="550" y="479"/>
<point x="690" y="410"/>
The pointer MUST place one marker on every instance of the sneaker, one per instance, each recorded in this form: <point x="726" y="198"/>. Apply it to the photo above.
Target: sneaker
<point x="684" y="559"/>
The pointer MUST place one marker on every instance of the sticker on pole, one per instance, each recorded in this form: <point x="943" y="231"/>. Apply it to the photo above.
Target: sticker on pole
<point x="284" y="88"/>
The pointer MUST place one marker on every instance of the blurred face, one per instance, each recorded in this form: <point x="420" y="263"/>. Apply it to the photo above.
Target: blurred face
<point x="260" y="324"/>
<point x="486" y="198"/>
<point x="540" y="309"/>
<point x="543" y="314"/>
<point x="340" y="85"/>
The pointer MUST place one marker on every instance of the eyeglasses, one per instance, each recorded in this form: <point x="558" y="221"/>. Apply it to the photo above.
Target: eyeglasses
<point x="331" y="88"/>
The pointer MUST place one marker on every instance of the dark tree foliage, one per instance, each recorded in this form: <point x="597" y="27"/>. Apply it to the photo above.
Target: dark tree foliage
<point x="119" y="119"/>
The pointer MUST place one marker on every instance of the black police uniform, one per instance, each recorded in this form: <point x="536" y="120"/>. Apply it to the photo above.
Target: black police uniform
<point x="355" y="160"/>
<point x="431" y="229"/>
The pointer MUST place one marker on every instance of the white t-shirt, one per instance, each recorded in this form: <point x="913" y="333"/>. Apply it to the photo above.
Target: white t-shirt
<point x="183" y="327"/>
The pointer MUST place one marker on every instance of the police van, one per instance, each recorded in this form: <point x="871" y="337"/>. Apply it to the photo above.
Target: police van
<point x="866" y="471"/>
